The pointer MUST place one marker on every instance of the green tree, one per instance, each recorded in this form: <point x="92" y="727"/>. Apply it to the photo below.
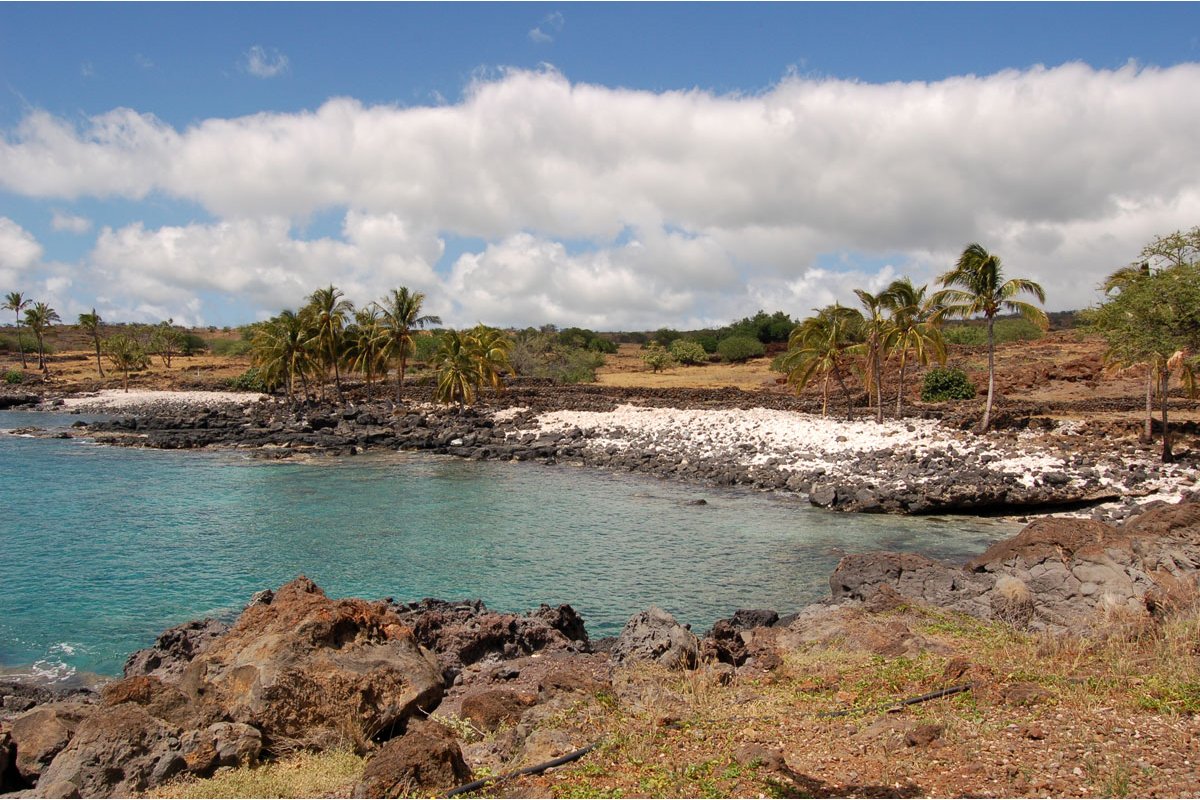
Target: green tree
<point x="401" y="318"/>
<point x="976" y="286"/>
<point x="821" y="345"/>
<point x="166" y="341"/>
<point x="365" y="344"/>
<point x="15" y="303"/>
<point x="39" y="319"/>
<point x="283" y="349"/>
<point x="912" y="330"/>
<point x="1155" y="320"/>
<point x="91" y="325"/>
<point x="492" y="348"/>
<point x="876" y="328"/>
<point x="330" y="312"/>
<point x="458" y="369"/>
<point x="126" y="354"/>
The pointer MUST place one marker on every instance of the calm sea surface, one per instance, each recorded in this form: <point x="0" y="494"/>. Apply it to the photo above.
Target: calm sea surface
<point x="102" y="548"/>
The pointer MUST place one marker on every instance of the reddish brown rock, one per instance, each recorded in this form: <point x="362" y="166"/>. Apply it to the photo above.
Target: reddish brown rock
<point x="115" y="752"/>
<point x="424" y="760"/>
<point x="305" y="668"/>
<point x="490" y="709"/>
<point x="42" y="732"/>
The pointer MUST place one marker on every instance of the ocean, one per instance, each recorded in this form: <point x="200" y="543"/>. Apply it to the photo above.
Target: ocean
<point x="102" y="548"/>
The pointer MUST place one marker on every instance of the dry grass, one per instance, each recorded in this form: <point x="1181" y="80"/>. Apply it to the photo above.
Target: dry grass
<point x="328" y="774"/>
<point x="626" y="368"/>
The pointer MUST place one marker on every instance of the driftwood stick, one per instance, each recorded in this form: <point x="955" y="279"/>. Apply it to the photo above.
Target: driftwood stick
<point x="912" y="701"/>
<point x="534" y="770"/>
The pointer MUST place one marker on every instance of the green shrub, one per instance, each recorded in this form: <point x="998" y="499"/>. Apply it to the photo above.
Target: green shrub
<point x="228" y="347"/>
<point x="425" y="345"/>
<point x="708" y="341"/>
<point x="688" y="351"/>
<point x="657" y="357"/>
<point x="13" y="377"/>
<point x="249" y="381"/>
<point x="973" y="334"/>
<point x="740" y="348"/>
<point x="942" y="383"/>
<point x="191" y="344"/>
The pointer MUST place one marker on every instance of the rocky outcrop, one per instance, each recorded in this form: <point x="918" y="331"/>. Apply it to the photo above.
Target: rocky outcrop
<point x="42" y="733"/>
<point x="655" y="636"/>
<point x="467" y="632"/>
<point x="425" y="760"/>
<point x="174" y="649"/>
<point x="117" y="751"/>
<point x="1057" y="574"/>
<point x="306" y="668"/>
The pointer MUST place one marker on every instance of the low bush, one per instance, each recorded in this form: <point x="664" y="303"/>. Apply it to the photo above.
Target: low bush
<point x="972" y="334"/>
<point x="942" y="383"/>
<point x="740" y="348"/>
<point x="688" y="351"/>
<point x="657" y="357"/>
<point x="249" y="381"/>
<point x="13" y="377"/>
<point x="228" y="347"/>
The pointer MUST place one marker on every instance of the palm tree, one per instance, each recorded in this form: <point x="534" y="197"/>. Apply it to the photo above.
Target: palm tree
<point x="981" y="289"/>
<point x="493" y="348"/>
<point x="401" y="316"/>
<point x="365" y="344"/>
<point x="126" y="354"/>
<point x="819" y="345"/>
<point x="875" y="329"/>
<point x="39" y="319"/>
<point x="91" y="324"/>
<point x="458" y="368"/>
<point x="15" y="303"/>
<point x="330" y="312"/>
<point x="912" y="329"/>
<point x="282" y="349"/>
<point x="1122" y="280"/>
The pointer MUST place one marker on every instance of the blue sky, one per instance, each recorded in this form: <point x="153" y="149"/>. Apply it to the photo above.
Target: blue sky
<point x="568" y="159"/>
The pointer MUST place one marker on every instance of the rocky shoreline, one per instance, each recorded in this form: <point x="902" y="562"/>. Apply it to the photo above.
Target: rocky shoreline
<point x="406" y="683"/>
<point x="918" y="465"/>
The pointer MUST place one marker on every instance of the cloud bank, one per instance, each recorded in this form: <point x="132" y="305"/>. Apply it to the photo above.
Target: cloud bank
<point x="618" y="208"/>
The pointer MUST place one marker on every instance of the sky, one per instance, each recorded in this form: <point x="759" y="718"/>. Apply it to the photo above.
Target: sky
<point x="617" y="166"/>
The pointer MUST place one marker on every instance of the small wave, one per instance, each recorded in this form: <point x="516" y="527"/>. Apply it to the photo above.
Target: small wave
<point x="52" y="671"/>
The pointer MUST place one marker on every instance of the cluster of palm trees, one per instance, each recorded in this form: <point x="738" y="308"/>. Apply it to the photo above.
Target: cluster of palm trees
<point x="303" y="350"/>
<point x="903" y="322"/>
<point x="38" y="317"/>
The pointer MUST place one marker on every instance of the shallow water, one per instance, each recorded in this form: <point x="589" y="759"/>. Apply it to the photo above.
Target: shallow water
<point x="105" y="547"/>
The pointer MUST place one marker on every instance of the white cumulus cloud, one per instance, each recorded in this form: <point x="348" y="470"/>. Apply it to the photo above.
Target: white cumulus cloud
<point x="69" y="223"/>
<point x="620" y="208"/>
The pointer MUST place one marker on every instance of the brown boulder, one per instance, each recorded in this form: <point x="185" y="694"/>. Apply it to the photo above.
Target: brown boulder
<point x="307" y="669"/>
<point x="115" y="752"/>
<point x="426" y="759"/>
<point x="9" y="779"/>
<point x="41" y="733"/>
<point x="489" y="709"/>
<point x="1048" y="537"/>
<point x="161" y="700"/>
<point x="222" y="744"/>
<point x="174" y="649"/>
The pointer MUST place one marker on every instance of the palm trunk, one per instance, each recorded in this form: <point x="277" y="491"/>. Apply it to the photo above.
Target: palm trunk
<point x="21" y="343"/>
<point x="837" y="373"/>
<point x="1167" y="456"/>
<point x="825" y="397"/>
<point x="878" y="370"/>
<point x="41" y="352"/>
<point x="1148" y="432"/>
<point x="125" y="381"/>
<point x="900" y="388"/>
<point x="99" y="367"/>
<point x="400" y="376"/>
<point x="987" y="409"/>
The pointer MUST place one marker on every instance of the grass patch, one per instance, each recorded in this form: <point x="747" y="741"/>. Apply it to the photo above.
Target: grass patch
<point x="973" y="333"/>
<point x="331" y="773"/>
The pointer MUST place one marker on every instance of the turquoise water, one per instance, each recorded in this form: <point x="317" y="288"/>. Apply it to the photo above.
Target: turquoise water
<point x="103" y="548"/>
